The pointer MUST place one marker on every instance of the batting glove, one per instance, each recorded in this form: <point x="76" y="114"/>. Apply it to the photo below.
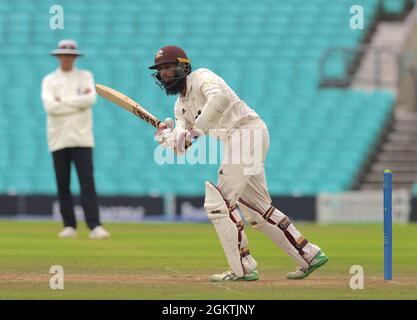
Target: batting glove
<point x="162" y="134"/>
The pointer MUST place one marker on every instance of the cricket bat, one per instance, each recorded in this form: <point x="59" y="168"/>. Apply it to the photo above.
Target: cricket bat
<point x="125" y="102"/>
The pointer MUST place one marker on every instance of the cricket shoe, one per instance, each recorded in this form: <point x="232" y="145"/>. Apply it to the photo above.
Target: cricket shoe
<point x="99" y="233"/>
<point x="68" y="232"/>
<point x="319" y="259"/>
<point x="231" y="276"/>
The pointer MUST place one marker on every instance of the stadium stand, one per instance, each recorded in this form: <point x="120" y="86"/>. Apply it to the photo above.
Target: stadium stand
<point x="268" y="51"/>
<point x="394" y="7"/>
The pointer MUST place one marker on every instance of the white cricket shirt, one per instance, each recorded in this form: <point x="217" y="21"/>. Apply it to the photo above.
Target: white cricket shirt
<point x="70" y="120"/>
<point x="201" y="84"/>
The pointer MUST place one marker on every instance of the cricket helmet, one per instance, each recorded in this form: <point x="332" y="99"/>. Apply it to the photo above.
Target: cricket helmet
<point x="174" y="55"/>
<point x="170" y="54"/>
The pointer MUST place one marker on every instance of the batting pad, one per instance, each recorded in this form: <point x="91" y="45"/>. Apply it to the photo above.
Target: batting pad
<point x="228" y="233"/>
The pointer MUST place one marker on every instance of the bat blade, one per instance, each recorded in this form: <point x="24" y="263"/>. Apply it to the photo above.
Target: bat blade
<point x="127" y="103"/>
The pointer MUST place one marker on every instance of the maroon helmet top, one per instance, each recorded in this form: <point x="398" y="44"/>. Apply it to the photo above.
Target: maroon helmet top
<point x="169" y="54"/>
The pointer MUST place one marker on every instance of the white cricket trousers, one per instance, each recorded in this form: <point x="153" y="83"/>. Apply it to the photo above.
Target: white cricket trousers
<point x="242" y="172"/>
<point x="242" y="182"/>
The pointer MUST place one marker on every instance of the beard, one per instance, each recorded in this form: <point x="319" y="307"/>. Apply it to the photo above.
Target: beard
<point x="175" y="86"/>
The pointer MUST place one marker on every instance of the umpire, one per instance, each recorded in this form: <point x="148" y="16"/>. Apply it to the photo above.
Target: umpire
<point x="68" y="95"/>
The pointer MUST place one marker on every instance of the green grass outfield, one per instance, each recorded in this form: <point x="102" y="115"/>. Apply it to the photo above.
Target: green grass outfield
<point x="174" y="261"/>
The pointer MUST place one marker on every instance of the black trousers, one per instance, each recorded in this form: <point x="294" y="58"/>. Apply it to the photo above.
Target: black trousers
<point x="83" y="160"/>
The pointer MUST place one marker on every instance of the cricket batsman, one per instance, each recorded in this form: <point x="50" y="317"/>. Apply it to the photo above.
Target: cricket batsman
<point x="207" y="105"/>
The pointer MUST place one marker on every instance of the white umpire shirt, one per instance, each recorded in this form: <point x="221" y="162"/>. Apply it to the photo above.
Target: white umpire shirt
<point x="201" y="84"/>
<point x="69" y="120"/>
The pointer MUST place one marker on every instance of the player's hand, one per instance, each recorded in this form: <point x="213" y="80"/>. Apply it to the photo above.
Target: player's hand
<point x="169" y="122"/>
<point x="186" y="139"/>
<point x="163" y="133"/>
<point x="195" y="133"/>
<point x="164" y="130"/>
<point x="183" y="141"/>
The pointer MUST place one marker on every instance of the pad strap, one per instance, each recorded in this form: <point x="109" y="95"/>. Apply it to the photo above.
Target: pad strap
<point x="268" y="213"/>
<point x="301" y="243"/>
<point x="244" y="252"/>
<point x="284" y="223"/>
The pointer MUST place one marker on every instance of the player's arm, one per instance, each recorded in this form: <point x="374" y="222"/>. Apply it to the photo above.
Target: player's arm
<point x="217" y="103"/>
<point x="52" y="104"/>
<point x="87" y="95"/>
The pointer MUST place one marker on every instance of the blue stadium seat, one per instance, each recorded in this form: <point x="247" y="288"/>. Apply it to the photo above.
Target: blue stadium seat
<point x="268" y="51"/>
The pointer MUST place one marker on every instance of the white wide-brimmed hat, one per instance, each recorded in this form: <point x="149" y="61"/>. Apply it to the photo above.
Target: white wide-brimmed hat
<point x="66" y="46"/>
